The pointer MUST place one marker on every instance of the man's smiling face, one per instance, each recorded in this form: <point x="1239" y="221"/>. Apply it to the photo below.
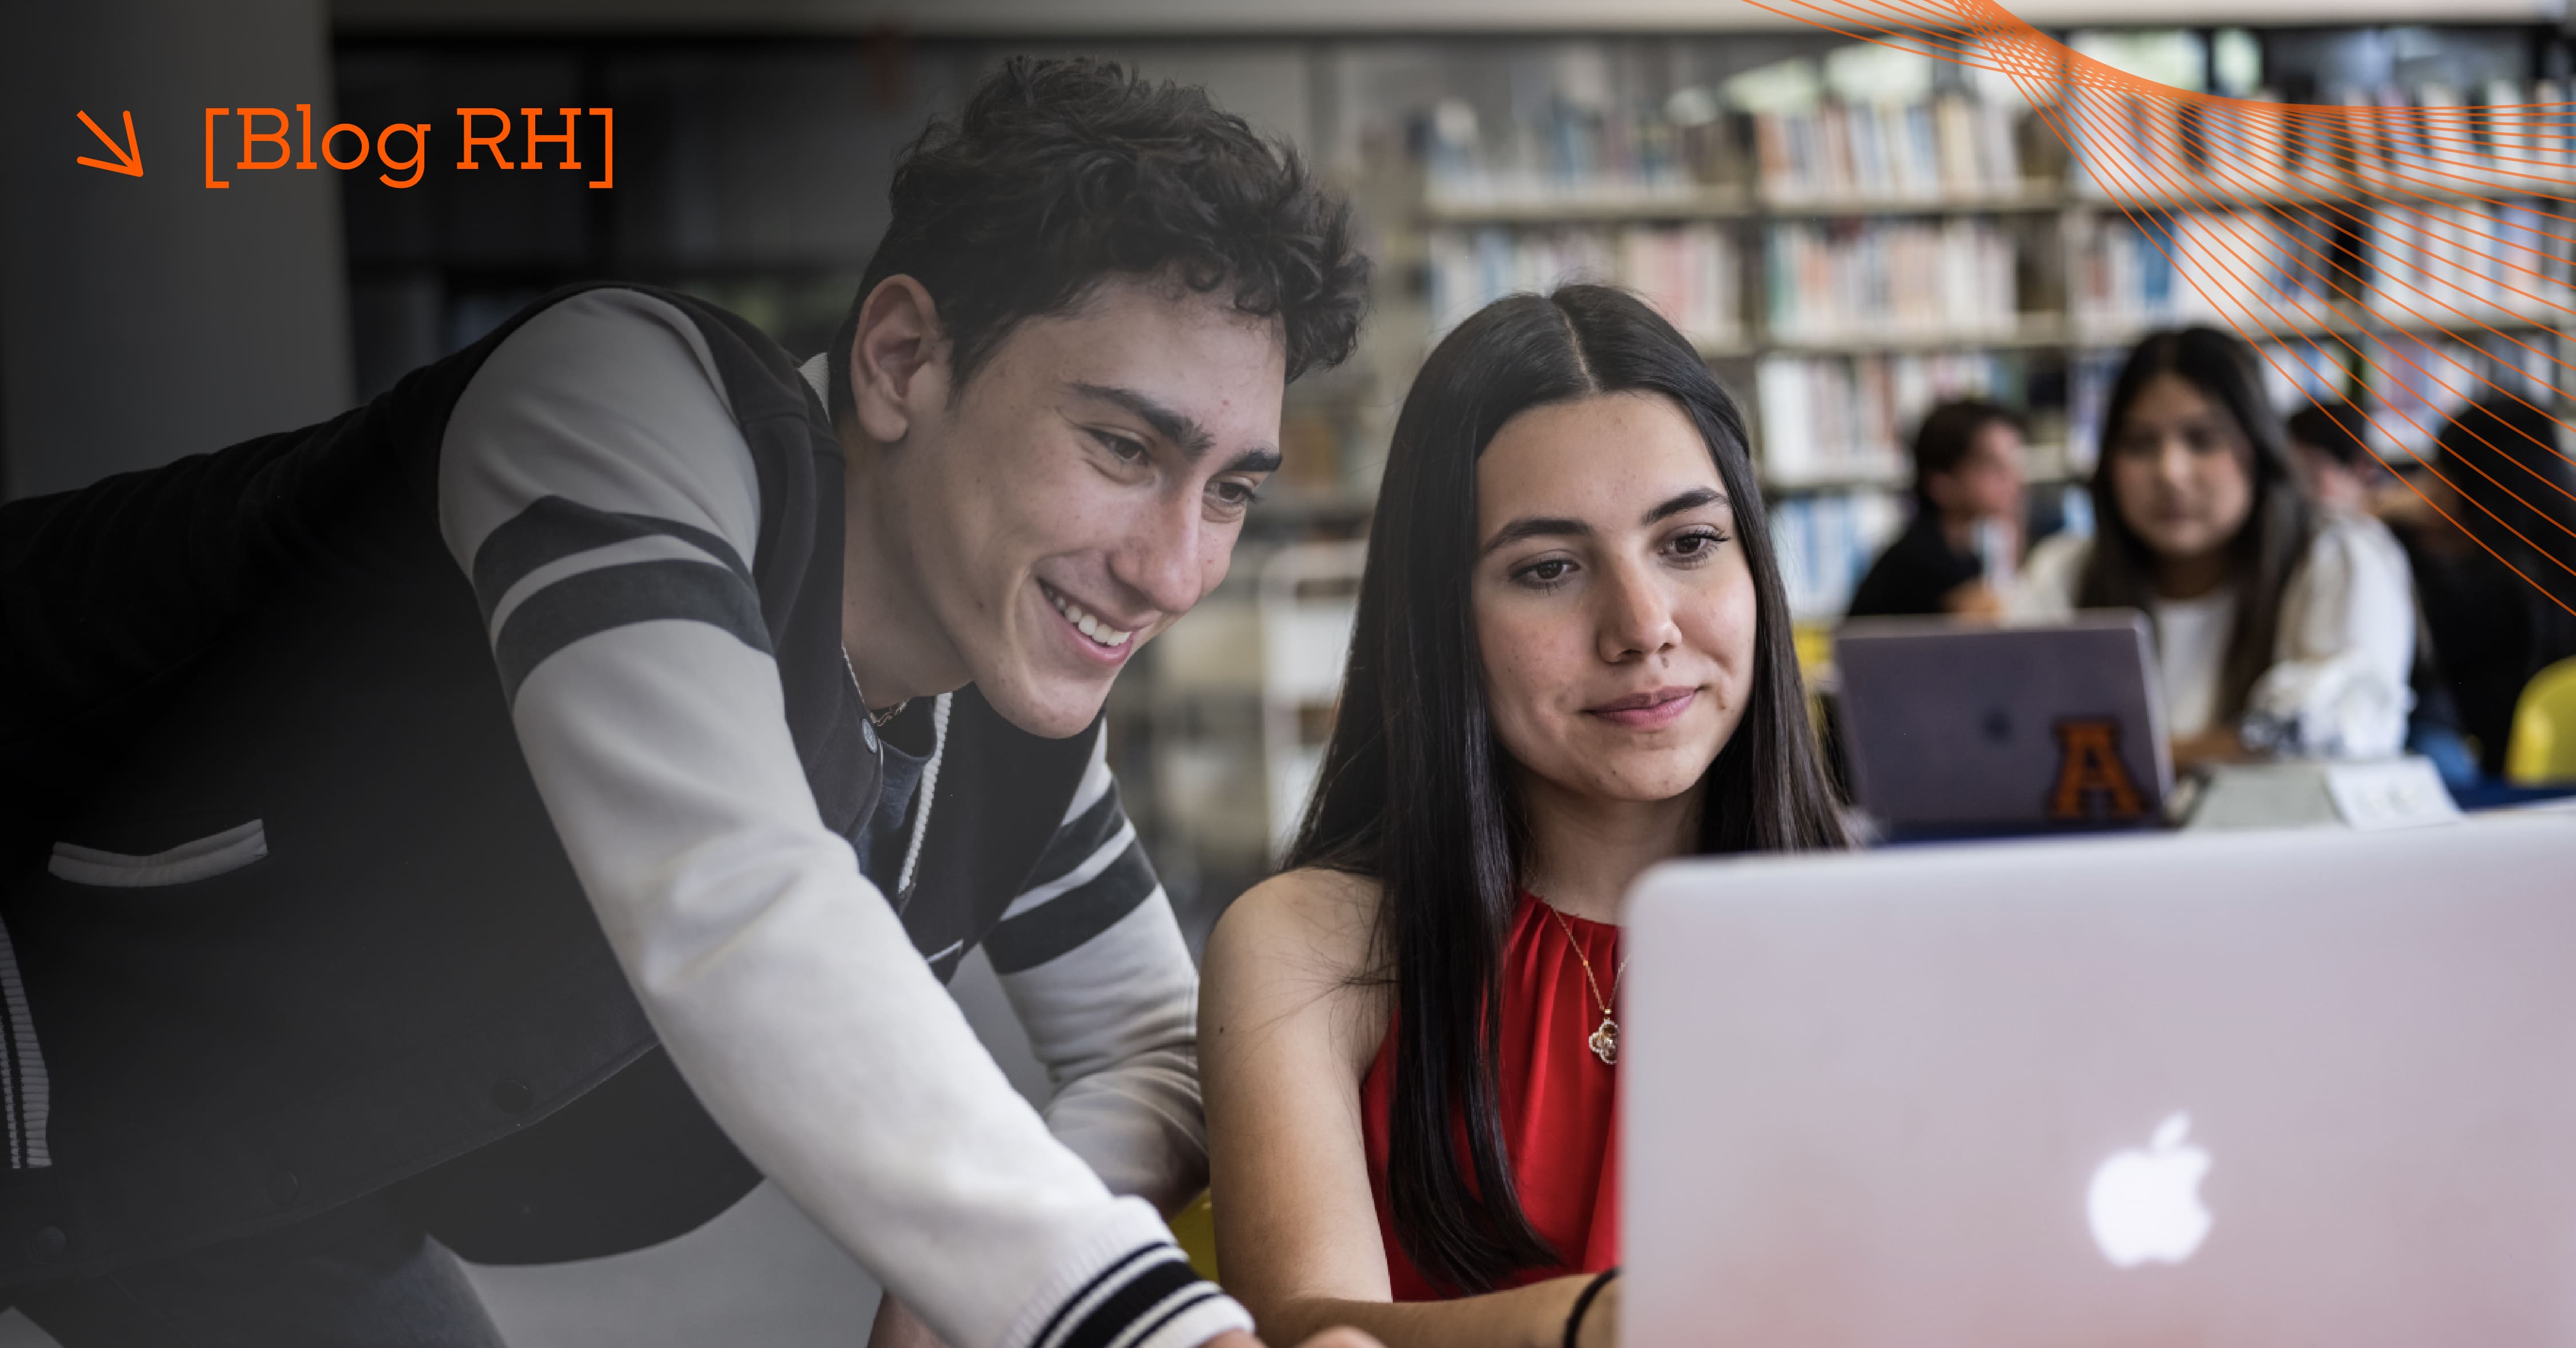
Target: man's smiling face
<point x="1085" y="491"/>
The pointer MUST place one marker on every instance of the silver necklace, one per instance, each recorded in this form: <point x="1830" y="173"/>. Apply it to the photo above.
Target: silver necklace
<point x="875" y="718"/>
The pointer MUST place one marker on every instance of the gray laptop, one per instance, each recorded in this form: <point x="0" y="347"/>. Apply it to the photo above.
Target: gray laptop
<point x="2228" y="1090"/>
<point x="1952" y="728"/>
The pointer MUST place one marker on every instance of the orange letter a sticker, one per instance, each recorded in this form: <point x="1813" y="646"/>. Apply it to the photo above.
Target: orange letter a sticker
<point x="2089" y="769"/>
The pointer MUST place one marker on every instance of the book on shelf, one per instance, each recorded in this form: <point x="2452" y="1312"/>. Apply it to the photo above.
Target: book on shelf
<point x="2397" y="142"/>
<point x="1574" y="153"/>
<point x="2529" y="136"/>
<point x="1825" y="544"/>
<point x="2309" y="370"/>
<point x="2259" y="271"/>
<point x="1847" y="419"/>
<point x="2467" y="264"/>
<point x="1829" y="279"/>
<point x="2293" y="269"/>
<point x="1951" y="145"/>
<point x="1688" y="272"/>
<point x="2414" y="382"/>
<point x="2191" y="150"/>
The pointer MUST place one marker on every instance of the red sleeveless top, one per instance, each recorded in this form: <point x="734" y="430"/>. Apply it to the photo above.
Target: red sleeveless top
<point x="1560" y="1102"/>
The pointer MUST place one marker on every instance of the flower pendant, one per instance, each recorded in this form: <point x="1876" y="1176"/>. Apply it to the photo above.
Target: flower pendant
<point x="1605" y="1042"/>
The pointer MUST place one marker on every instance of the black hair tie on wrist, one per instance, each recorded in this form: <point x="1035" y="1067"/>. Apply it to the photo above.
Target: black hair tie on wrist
<point x="1583" y="1303"/>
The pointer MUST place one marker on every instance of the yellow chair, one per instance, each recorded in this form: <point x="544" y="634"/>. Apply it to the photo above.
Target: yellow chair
<point x="1195" y="1228"/>
<point x="1815" y="643"/>
<point x="1815" y="646"/>
<point x="2542" y="751"/>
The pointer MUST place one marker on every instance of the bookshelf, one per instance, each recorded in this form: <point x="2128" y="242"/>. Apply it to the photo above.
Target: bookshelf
<point x="1891" y="255"/>
<point x="1478" y="162"/>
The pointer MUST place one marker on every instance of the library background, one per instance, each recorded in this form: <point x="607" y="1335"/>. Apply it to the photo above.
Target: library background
<point x="1848" y="232"/>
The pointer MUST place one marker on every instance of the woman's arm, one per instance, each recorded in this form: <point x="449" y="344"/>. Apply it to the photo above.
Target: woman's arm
<point x="2338" y="685"/>
<point x="1286" y="1032"/>
<point x="2045" y="589"/>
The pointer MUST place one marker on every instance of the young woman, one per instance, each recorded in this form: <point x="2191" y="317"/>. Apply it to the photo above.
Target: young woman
<point x="2279" y="628"/>
<point x="1966" y="534"/>
<point x="1572" y="660"/>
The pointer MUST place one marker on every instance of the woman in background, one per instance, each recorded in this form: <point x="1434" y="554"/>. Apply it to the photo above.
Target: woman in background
<point x="2344" y="478"/>
<point x="1572" y="660"/>
<point x="2279" y="628"/>
<point x="2495" y="573"/>
<point x="1959" y="551"/>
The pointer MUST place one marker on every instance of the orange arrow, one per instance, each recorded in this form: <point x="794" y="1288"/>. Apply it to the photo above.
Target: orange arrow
<point x="129" y="156"/>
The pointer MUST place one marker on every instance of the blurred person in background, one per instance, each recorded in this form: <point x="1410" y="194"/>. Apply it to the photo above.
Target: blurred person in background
<point x="517" y="815"/>
<point x="2349" y="482"/>
<point x="1958" y="554"/>
<point x="1572" y="660"/>
<point x="2334" y="465"/>
<point x="2280" y="628"/>
<point x="2494" y="561"/>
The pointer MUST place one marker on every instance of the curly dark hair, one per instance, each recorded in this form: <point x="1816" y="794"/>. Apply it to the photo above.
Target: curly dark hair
<point x="1062" y="173"/>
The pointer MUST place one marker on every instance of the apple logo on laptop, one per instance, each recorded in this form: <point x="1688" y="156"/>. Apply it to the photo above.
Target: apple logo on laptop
<point x="2145" y="1205"/>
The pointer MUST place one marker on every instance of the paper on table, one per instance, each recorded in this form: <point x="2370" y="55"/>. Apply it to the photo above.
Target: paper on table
<point x="2395" y="793"/>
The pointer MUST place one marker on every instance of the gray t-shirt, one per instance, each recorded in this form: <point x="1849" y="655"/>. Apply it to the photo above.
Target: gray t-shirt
<point x="882" y="843"/>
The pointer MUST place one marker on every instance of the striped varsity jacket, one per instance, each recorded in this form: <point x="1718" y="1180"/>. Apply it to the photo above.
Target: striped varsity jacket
<point x="457" y="796"/>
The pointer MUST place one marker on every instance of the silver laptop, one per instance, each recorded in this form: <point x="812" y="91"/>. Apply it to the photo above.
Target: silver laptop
<point x="2232" y="1091"/>
<point x="1953" y="728"/>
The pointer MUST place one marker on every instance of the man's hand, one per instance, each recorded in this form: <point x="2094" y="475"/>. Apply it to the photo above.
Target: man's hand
<point x="897" y="1327"/>
<point x="1975" y="599"/>
<point x="2220" y="745"/>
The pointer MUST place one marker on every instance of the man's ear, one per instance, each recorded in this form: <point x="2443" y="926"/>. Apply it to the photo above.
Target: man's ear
<point x="898" y="359"/>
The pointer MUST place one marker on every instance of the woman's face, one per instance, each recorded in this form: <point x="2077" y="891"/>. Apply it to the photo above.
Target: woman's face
<point x="2182" y="468"/>
<point x="1614" y="609"/>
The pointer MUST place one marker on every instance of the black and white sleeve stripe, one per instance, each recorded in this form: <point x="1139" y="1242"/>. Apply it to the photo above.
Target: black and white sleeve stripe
<point x="559" y="571"/>
<point x="1130" y="1302"/>
<point x="1092" y="874"/>
<point x="600" y="500"/>
<point x="1095" y="966"/>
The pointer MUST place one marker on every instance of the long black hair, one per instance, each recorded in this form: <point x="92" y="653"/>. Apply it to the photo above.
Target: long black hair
<point x="2121" y="569"/>
<point x="1415" y="791"/>
<point x="2501" y="455"/>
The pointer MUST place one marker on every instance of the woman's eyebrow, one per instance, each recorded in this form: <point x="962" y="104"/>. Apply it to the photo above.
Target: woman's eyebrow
<point x="1536" y="526"/>
<point x="1557" y="526"/>
<point x="1689" y="500"/>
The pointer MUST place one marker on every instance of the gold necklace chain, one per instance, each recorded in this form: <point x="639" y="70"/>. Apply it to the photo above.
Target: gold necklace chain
<point x="1604" y="1042"/>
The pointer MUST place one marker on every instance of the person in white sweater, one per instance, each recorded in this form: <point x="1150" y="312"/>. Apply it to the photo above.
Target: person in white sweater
<point x="2280" y="628"/>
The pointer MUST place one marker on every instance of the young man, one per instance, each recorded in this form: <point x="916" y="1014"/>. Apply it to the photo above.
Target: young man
<point x="327" y="950"/>
<point x="1956" y="555"/>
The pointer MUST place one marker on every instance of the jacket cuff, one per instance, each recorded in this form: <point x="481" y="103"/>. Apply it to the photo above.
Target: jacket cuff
<point x="1126" y="1286"/>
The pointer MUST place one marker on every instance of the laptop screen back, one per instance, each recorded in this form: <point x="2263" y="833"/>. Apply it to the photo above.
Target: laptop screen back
<point x="1953" y="728"/>
<point x="2226" y="1090"/>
